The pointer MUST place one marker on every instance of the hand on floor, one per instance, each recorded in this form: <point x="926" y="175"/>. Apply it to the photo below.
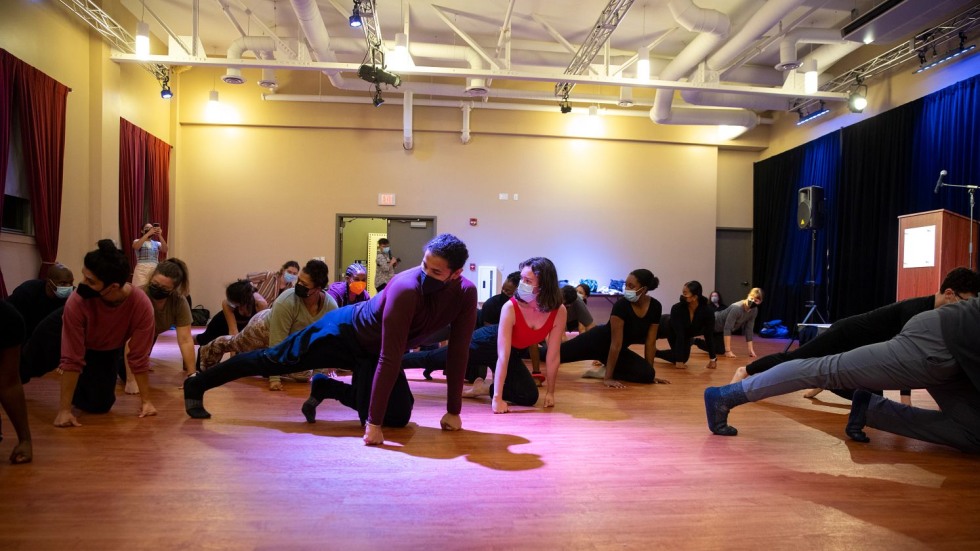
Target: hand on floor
<point x="451" y="422"/>
<point x="373" y="435"/>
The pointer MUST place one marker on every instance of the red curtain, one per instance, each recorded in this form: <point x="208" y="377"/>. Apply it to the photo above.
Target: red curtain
<point x="158" y="172"/>
<point x="7" y="63"/>
<point x="42" y="110"/>
<point x="132" y="183"/>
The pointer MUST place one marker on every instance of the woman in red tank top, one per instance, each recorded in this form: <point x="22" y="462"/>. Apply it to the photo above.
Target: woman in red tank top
<point x="536" y="313"/>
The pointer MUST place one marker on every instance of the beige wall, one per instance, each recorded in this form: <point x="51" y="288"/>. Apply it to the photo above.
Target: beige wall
<point x="735" y="188"/>
<point x="53" y="40"/>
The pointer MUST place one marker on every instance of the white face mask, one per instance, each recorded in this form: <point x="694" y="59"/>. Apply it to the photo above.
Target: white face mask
<point x="525" y="291"/>
<point x="581" y="296"/>
<point x="631" y="295"/>
<point x="714" y="299"/>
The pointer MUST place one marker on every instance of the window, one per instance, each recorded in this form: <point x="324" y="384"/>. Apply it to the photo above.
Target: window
<point x="17" y="216"/>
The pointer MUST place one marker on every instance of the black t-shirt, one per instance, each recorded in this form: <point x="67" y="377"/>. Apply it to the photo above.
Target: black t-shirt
<point x="492" y="307"/>
<point x="33" y="303"/>
<point x="703" y="322"/>
<point x="11" y="326"/>
<point x="635" y="328"/>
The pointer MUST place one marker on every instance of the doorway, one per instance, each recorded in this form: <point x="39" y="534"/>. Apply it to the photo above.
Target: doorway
<point x="733" y="264"/>
<point x="357" y="240"/>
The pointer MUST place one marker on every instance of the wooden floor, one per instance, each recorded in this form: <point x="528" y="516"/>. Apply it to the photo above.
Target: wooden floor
<point x="605" y="469"/>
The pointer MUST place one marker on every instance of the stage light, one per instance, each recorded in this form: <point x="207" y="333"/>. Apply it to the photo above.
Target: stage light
<point x="952" y="54"/>
<point x="565" y="106"/>
<point x="165" y="92"/>
<point x="857" y="100"/>
<point x="378" y="75"/>
<point x="805" y="118"/>
<point x="355" y="16"/>
<point x="377" y="100"/>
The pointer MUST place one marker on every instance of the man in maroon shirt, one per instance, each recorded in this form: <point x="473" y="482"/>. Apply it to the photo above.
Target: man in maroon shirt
<point x="100" y="316"/>
<point x="370" y="338"/>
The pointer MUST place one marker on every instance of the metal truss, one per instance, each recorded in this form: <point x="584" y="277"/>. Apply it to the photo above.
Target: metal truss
<point x="953" y="29"/>
<point x="610" y="18"/>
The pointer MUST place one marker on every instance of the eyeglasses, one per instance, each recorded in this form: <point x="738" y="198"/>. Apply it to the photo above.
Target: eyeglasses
<point x="961" y="297"/>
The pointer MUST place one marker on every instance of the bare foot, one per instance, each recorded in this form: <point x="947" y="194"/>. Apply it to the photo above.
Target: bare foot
<point x="906" y="399"/>
<point x="812" y="393"/>
<point x="275" y="385"/>
<point x="132" y="387"/>
<point x="23" y="453"/>
<point x="740" y="374"/>
<point x="479" y="388"/>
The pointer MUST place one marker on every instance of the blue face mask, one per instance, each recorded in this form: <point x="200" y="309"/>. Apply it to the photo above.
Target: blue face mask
<point x="63" y="292"/>
<point x="631" y="295"/>
<point x="289" y="278"/>
<point x="431" y="284"/>
<point x="386" y="250"/>
<point x="525" y="292"/>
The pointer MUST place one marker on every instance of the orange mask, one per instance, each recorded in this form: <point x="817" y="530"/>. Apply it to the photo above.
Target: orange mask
<point x="357" y="287"/>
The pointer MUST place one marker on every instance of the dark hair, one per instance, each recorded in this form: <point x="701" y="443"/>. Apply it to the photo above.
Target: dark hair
<point x="318" y="272"/>
<point x="242" y="293"/>
<point x="694" y="286"/>
<point x="383" y="241"/>
<point x="584" y="287"/>
<point x="568" y="295"/>
<point x="720" y="299"/>
<point x="354" y="269"/>
<point x="961" y="280"/>
<point x="646" y="278"/>
<point x="549" y="295"/>
<point x="514" y="278"/>
<point x="290" y="264"/>
<point x="176" y="270"/>
<point x="108" y="263"/>
<point x="449" y="246"/>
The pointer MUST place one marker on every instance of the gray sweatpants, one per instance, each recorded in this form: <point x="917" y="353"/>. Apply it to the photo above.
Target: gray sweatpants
<point x="916" y="358"/>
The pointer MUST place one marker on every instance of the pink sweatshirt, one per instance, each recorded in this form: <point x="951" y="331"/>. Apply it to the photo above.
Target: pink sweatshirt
<point x="95" y="325"/>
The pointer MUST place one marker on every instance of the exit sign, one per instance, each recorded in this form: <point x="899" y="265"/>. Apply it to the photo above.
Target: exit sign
<point x="386" y="199"/>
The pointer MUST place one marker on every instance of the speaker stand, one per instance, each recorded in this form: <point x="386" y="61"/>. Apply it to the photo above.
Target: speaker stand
<point x="811" y="302"/>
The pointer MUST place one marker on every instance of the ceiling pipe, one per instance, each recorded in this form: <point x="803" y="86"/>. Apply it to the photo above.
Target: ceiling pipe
<point x="714" y="27"/>
<point x="407" y="141"/>
<point x="464" y="136"/>
<point x="261" y="46"/>
<point x="788" y="59"/>
<point x="767" y="16"/>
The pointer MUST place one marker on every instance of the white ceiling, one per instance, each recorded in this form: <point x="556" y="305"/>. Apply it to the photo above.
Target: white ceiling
<point x="533" y="24"/>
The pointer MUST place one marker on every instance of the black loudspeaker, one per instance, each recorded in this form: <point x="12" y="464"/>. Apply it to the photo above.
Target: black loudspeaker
<point x="809" y="215"/>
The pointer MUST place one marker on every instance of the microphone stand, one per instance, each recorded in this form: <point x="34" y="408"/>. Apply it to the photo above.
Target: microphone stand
<point x="970" y="190"/>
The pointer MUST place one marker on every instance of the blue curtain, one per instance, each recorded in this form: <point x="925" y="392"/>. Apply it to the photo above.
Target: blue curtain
<point x="781" y="251"/>
<point x="872" y="173"/>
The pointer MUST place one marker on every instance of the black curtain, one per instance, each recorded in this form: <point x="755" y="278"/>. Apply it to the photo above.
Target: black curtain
<point x="781" y="260"/>
<point x="874" y="171"/>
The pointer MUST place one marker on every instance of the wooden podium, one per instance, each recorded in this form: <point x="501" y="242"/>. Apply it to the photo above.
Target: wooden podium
<point x="930" y="244"/>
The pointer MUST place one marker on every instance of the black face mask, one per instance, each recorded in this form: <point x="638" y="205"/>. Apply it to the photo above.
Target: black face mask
<point x="157" y="293"/>
<point x="302" y="291"/>
<point x="431" y="284"/>
<point x="87" y="292"/>
<point x="683" y="298"/>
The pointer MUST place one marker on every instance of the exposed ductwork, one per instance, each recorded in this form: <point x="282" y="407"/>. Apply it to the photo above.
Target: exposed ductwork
<point x="407" y="123"/>
<point x="764" y="19"/>
<point x="788" y="59"/>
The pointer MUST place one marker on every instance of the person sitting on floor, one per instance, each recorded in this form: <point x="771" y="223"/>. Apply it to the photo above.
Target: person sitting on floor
<point x="371" y="337"/>
<point x="691" y="317"/>
<point x="937" y="350"/>
<point x="99" y="318"/>
<point x="634" y="320"/>
<point x="241" y="302"/>
<point x="579" y="318"/>
<point x="534" y="314"/>
<point x="353" y="288"/>
<point x="740" y="315"/>
<point x="34" y="299"/>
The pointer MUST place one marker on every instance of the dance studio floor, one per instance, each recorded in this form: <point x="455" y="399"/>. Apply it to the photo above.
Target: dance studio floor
<point x="605" y="469"/>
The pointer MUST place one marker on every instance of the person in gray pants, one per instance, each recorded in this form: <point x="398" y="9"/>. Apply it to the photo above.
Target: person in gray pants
<point x="938" y="350"/>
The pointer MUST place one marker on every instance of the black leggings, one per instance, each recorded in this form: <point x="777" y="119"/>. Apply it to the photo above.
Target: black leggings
<point x="217" y="327"/>
<point x="519" y="386"/>
<point x="594" y="345"/>
<point x="680" y="337"/>
<point x="334" y="347"/>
